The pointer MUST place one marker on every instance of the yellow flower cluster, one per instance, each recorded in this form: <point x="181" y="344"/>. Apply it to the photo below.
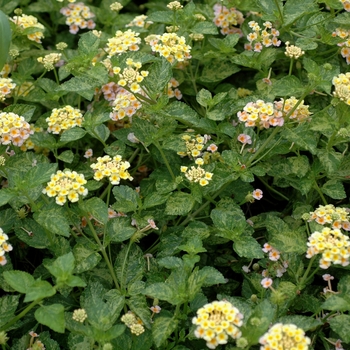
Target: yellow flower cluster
<point x="131" y="76"/>
<point x="194" y="145"/>
<point x="6" y="70"/>
<point x="345" y="45"/>
<point x="332" y="244"/>
<point x="217" y="321"/>
<point x="341" y="83"/>
<point x="64" y="118"/>
<point x="50" y="60"/>
<point x="227" y="19"/>
<point x="123" y="42"/>
<point x="116" y="6"/>
<point x="125" y="104"/>
<point x="115" y="169"/>
<point x="78" y="16"/>
<point x="6" y="87"/>
<point x="66" y="184"/>
<point x="25" y="21"/>
<point x="13" y="129"/>
<point x="260" y="113"/>
<point x="293" y="51"/>
<point x="301" y="113"/>
<point x="4" y="247"/>
<point x="79" y="315"/>
<point x="133" y="322"/>
<point x="284" y="336"/>
<point x="269" y="114"/>
<point x="171" y="46"/>
<point x="330" y="215"/>
<point x="346" y="5"/>
<point x="259" y="38"/>
<point x="197" y="174"/>
<point x="174" y="5"/>
<point x="139" y="21"/>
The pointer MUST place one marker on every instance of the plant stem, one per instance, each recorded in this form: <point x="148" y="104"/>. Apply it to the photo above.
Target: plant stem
<point x="104" y="254"/>
<point x="272" y="189"/>
<point x="156" y="143"/>
<point x="291" y="66"/>
<point x="317" y="188"/>
<point x="123" y="266"/>
<point x="279" y="10"/>
<point x="301" y="284"/>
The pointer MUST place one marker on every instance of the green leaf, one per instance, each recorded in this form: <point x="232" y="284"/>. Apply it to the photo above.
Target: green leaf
<point x="8" y="306"/>
<point x="25" y="111"/>
<point x="88" y="43"/>
<point x="97" y="208"/>
<point x="170" y="262"/>
<point x="161" y="17"/>
<point x="218" y="70"/>
<point x="179" y="203"/>
<point x="306" y="43"/>
<point x="5" y="38"/>
<point x="130" y="264"/>
<point x="287" y="86"/>
<point x="270" y="9"/>
<point x="126" y="199"/>
<point x="54" y="220"/>
<point x="6" y="194"/>
<point x="103" y="336"/>
<point x="302" y="137"/>
<point x="162" y="328"/>
<point x="119" y="229"/>
<point x="341" y="324"/>
<point x="205" y="28"/>
<point x="51" y="316"/>
<point x="193" y="246"/>
<point x="161" y="291"/>
<point x="72" y="134"/>
<point x="37" y="175"/>
<point x="44" y="140"/>
<point x="154" y="199"/>
<point x="334" y="189"/>
<point x="20" y="281"/>
<point x="39" y="289"/>
<point x="248" y="247"/>
<point x="138" y="304"/>
<point x="85" y="258"/>
<point x="66" y="156"/>
<point x="295" y="9"/>
<point x="303" y="322"/>
<point x="204" y="97"/>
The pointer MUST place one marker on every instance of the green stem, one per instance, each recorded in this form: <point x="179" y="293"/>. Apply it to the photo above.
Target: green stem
<point x="103" y="251"/>
<point x="20" y="315"/>
<point x="291" y="66"/>
<point x="317" y="188"/>
<point x="272" y="189"/>
<point x="302" y="282"/>
<point x="133" y="156"/>
<point x="156" y="143"/>
<point x="279" y="10"/>
<point x="123" y="266"/>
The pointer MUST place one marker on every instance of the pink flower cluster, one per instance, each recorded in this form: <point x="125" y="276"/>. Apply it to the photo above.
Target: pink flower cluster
<point x="345" y="45"/>
<point x="78" y="16"/>
<point x="227" y="19"/>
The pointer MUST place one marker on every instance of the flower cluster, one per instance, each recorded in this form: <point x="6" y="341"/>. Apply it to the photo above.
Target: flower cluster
<point x="131" y="76"/>
<point x="124" y="104"/>
<point x="115" y="169"/>
<point x="173" y="91"/>
<point x="345" y="45"/>
<point x="4" y="247"/>
<point x="64" y="118"/>
<point x="341" y="83"/>
<point x="227" y="19"/>
<point x="271" y="114"/>
<point x="25" y="21"/>
<point x="197" y="174"/>
<point x="29" y="144"/>
<point x="116" y="6"/>
<point x="139" y="21"/>
<point x="78" y="16"/>
<point x="50" y="60"/>
<point x="279" y="267"/>
<point x="346" y="5"/>
<point x="332" y="244"/>
<point x="284" y="336"/>
<point x="330" y="215"/>
<point x="171" y="46"/>
<point x="123" y="42"/>
<point x="133" y="322"/>
<point x="6" y="87"/>
<point x="293" y="51"/>
<point x="13" y="129"/>
<point x="194" y="145"/>
<point x="35" y="344"/>
<point x="217" y="321"/>
<point x="196" y="36"/>
<point x="174" y="5"/>
<point x="79" y="315"/>
<point x="259" y="38"/>
<point x="66" y="184"/>
<point x="6" y="70"/>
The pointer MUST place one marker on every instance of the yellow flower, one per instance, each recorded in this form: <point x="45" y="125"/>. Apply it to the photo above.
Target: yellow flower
<point x="64" y="118"/>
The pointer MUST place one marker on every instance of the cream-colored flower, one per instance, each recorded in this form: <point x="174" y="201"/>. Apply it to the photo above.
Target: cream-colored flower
<point x="63" y="119"/>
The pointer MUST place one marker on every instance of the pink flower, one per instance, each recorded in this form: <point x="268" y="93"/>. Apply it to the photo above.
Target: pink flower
<point x="257" y="194"/>
<point x="266" y="282"/>
<point x="245" y="139"/>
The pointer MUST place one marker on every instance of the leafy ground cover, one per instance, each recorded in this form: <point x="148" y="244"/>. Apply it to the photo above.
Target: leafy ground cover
<point x="174" y="175"/>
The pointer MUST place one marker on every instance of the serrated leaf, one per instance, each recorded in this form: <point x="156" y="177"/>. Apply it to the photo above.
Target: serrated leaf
<point x="170" y="262"/>
<point x="66" y="156"/>
<point x="341" y="324"/>
<point x="205" y="28"/>
<point x="51" y="316"/>
<point x="334" y="189"/>
<point x="8" y="306"/>
<point x="138" y="304"/>
<point x="54" y="220"/>
<point x="119" y="229"/>
<point x="97" y="208"/>
<point x="160" y="290"/>
<point x="162" y="328"/>
<point x="38" y="175"/>
<point x="6" y="194"/>
<point x="38" y="290"/>
<point x="248" y="247"/>
<point x="88" y="43"/>
<point x="126" y="199"/>
<point x="20" y="281"/>
<point x="154" y="199"/>
<point x="85" y="258"/>
<point x="62" y="268"/>
<point x="179" y="203"/>
<point x="204" y="97"/>
<point x="72" y="134"/>
<point x="25" y="111"/>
